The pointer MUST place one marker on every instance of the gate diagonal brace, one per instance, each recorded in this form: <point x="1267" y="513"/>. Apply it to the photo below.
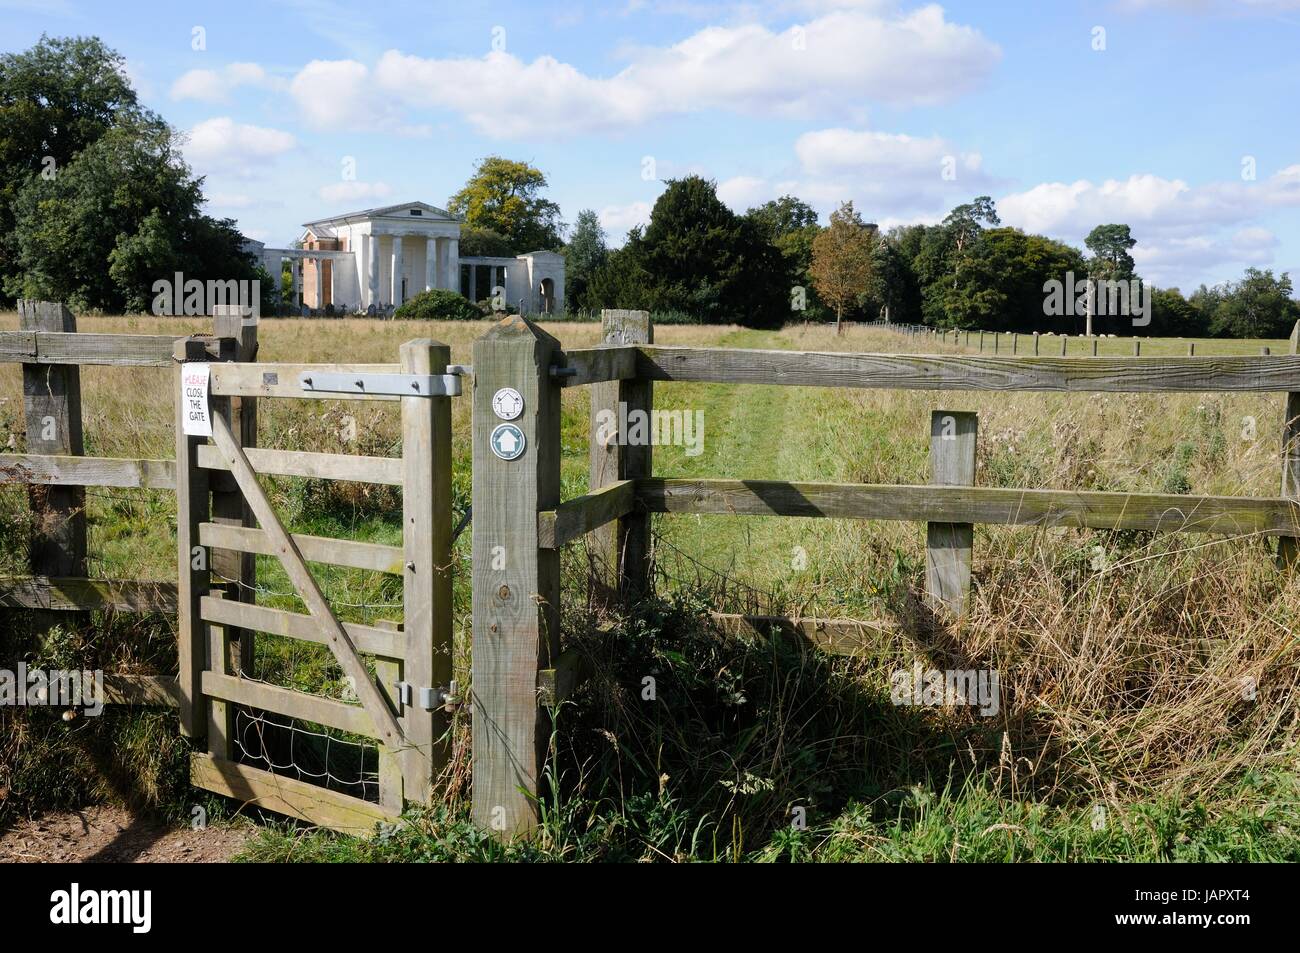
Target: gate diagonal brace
<point x="397" y="385"/>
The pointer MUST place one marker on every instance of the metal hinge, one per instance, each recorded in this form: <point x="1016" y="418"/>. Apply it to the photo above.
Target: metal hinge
<point x="431" y="699"/>
<point x="400" y="385"/>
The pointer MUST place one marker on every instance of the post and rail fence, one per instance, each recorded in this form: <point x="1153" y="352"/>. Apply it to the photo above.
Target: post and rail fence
<point x="521" y="668"/>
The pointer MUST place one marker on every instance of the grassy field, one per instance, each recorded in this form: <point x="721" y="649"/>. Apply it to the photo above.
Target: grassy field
<point x="1124" y="732"/>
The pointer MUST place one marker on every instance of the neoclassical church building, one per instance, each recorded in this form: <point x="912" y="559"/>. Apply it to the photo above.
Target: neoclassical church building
<point x="379" y="257"/>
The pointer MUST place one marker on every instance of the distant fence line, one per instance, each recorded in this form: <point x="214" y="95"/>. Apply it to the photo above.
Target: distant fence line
<point x="1032" y="340"/>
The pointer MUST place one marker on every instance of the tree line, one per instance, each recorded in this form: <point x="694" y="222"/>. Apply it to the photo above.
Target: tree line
<point x="776" y="263"/>
<point x="97" y="203"/>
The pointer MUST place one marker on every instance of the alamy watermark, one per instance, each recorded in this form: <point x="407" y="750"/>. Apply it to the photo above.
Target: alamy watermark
<point x="654" y="428"/>
<point x="975" y="687"/>
<point x="37" y="687"/>
<point x="1098" y="297"/>
<point x="177" y="296"/>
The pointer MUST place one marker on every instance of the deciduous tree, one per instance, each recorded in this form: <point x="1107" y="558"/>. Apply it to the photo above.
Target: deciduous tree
<point x="842" y="261"/>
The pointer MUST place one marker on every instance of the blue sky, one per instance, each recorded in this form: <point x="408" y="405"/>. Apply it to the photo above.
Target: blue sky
<point x="1152" y="112"/>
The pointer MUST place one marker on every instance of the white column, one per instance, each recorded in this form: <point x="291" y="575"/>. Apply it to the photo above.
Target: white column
<point x="320" y="283"/>
<point x="372" y="271"/>
<point x="451" y="255"/>
<point x="397" y="270"/>
<point x="334" y="282"/>
<point x="473" y="283"/>
<point x="295" y="266"/>
<point x="430" y="264"/>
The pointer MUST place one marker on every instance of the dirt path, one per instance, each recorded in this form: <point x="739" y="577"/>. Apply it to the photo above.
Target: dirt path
<point x="114" y="835"/>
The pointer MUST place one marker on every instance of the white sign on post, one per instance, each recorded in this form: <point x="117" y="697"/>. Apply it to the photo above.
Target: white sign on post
<point x="196" y="417"/>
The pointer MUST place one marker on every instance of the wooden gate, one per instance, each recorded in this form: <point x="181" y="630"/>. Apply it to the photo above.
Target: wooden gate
<point x="401" y="673"/>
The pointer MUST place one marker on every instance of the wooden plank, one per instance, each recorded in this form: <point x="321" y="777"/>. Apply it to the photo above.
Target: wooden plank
<point x="192" y="568"/>
<point x="223" y="660"/>
<point x="597" y="365"/>
<point x="972" y="372"/>
<point x="145" y="690"/>
<point x="18" y="346"/>
<point x="858" y="638"/>
<point x="236" y="570"/>
<point x="426" y="582"/>
<point x="317" y="549"/>
<point x="63" y="594"/>
<point x="282" y="380"/>
<point x="288" y="796"/>
<point x="621" y="551"/>
<point x="1288" y="547"/>
<point x="1156" y="512"/>
<point x="516" y="583"/>
<point x="52" y="412"/>
<point x="71" y="347"/>
<point x="285" y="701"/>
<point x="61" y="470"/>
<point x="556" y="684"/>
<point x="953" y="436"/>
<point x="295" y="625"/>
<point x="321" y="466"/>
<point x="580" y="516"/>
<point x="305" y="584"/>
<point x="388" y="672"/>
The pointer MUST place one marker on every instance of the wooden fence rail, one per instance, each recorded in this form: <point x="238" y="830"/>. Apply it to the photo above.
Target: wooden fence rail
<point x="520" y="667"/>
<point x="52" y="350"/>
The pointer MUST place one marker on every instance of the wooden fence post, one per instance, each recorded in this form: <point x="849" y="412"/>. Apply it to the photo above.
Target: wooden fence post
<point x="193" y="576"/>
<point x="426" y="538"/>
<point x="1015" y="342"/>
<point x="52" y="412"/>
<point x="228" y="504"/>
<point x="1191" y="348"/>
<point x="981" y="341"/>
<point x="1137" y="348"/>
<point x="1288" y="547"/>
<point x="516" y="587"/>
<point x="1035" y="344"/>
<point x="1065" y="342"/>
<point x="1094" y="347"/>
<point x="948" y="545"/>
<point x="621" y="549"/>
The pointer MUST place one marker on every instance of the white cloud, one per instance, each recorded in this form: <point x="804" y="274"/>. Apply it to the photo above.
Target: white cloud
<point x="889" y="176"/>
<point x="831" y="66"/>
<point x="351" y="191"/>
<point x="1170" y="206"/>
<point x="215" y="86"/>
<point x="341" y="95"/>
<point x="617" y="220"/>
<point x="223" y="145"/>
<point x="1184" y="232"/>
<point x="743" y="192"/>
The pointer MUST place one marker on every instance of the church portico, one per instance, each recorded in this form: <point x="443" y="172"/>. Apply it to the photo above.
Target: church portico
<point x="379" y="258"/>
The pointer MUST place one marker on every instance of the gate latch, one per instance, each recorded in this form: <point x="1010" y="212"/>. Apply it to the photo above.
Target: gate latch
<point x="431" y="699"/>
<point x="397" y="385"/>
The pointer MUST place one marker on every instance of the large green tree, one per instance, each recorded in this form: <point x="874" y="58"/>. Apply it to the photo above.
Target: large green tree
<point x="790" y="225"/>
<point x="504" y="196"/>
<point x="1258" y="306"/>
<point x="1110" y="246"/>
<point x="699" y="258"/>
<point x="1001" y="287"/>
<point x="55" y="99"/>
<point x="124" y="213"/>
<point x="98" y="202"/>
<point x="584" y="254"/>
